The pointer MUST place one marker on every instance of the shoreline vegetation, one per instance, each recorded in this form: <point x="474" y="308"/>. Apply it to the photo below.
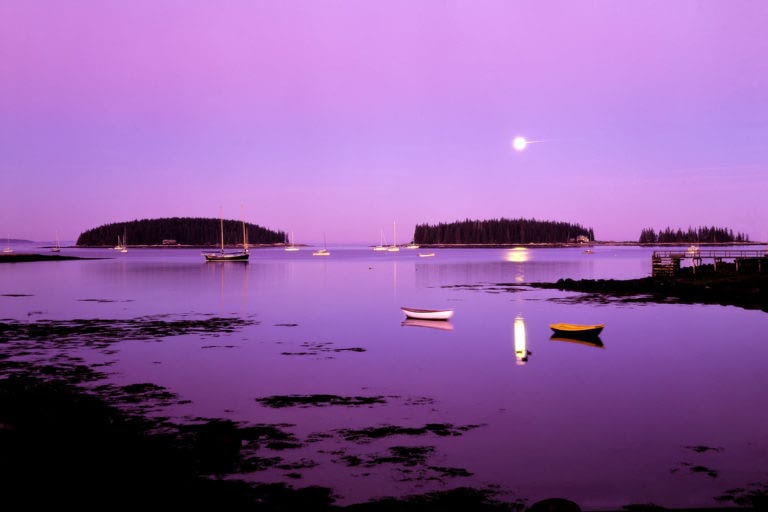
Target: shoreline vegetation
<point x="180" y="230"/>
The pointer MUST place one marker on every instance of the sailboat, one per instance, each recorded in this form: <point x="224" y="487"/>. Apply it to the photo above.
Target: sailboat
<point x="124" y="247"/>
<point x="120" y="244"/>
<point x="8" y="248"/>
<point x="292" y="247"/>
<point x="57" y="247"/>
<point x="393" y="247"/>
<point x="382" y="246"/>
<point x="228" y="256"/>
<point x="322" y="252"/>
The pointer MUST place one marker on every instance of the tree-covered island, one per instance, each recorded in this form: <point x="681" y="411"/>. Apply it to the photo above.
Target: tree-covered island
<point x="185" y="231"/>
<point x="501" y="232"/>
<point x="700" y="235"/>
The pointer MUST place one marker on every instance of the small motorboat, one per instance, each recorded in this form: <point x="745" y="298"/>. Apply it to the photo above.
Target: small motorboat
<point x="576" y="330"/>
<point x="427" y="314"/>
<point x="426" y="254"/>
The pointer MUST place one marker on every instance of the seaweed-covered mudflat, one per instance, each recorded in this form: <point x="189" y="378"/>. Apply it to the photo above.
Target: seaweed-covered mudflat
<point x="80" y="441"/>
<point x="69" y="438"/>
<point x="724" y="287"/>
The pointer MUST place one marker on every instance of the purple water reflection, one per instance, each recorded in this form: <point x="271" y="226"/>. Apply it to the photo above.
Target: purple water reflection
<point x="603" y="426"/>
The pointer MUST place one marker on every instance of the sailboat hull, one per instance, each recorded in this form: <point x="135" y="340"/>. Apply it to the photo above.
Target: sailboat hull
<point x="234" y="256"/>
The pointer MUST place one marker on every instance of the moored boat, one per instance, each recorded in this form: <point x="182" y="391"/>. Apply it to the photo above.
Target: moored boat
<point x="292" y="246"/>
<point x="426" y="254"/>
<point x="574" y="330"/>
<point x="427" y="314"/>
<point x="324" y="251"/>
<point x="229" y="256"/>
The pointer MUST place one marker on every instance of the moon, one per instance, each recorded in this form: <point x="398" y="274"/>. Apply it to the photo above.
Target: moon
<point x="519" y="143"/>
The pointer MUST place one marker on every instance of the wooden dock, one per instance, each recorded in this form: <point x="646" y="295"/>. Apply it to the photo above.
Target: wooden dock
<point x="667" y="263"/>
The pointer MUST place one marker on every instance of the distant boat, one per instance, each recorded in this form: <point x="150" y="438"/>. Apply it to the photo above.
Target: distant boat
<point x="229" y="256"/>
<point x="57" y="247"/>
<point x="393" y="247"/>
<point x="575" y="330"/>
<point x="412" y="246"/>
<point x="8" y="248"/>
<point x="291" y="247"/>
<point x="382" y="246"/>
<point x="324" y="251"/>
<point x="426" y="254"/>
<point x="121" y="243"/>
<point x="427" y="314"/>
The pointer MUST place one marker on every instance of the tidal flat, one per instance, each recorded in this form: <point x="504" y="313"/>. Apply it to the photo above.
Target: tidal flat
<point x="84" y="443"/>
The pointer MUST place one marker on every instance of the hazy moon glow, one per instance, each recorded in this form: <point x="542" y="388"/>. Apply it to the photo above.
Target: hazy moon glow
<point x="519" y="143"/>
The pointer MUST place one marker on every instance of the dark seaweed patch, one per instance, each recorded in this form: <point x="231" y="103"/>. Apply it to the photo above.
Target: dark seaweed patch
<point x="696" y="468"/>
<point x="316" y="348"/>
<point x="754" y="495"/>
<point x="286" y="325"/>
<point x="410" y="461"/>
<point x="100" y="333"/>
<point x="16" y="295"/>
<point x="703" y="449"/>
<point x="318" y="400"/>
<point x="368" y="434"/>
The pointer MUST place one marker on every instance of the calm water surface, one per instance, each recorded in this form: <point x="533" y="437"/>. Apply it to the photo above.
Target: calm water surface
<point x="537" y="418"/>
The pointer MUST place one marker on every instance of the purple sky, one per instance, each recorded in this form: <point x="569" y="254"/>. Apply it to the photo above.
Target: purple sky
<point x="342" y="117"/>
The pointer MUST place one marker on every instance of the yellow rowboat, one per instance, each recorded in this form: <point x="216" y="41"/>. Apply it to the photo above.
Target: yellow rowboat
<point x="571" y="330"/>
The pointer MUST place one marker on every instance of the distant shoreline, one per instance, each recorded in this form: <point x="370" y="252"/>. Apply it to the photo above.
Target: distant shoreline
<point x="583" y="244"/>
<point x="182" y="246"/>
<point x="27" y="257"/>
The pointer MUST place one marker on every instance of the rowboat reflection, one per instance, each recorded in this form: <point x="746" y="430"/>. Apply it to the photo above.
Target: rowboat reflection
<point x="591" y="340"/>
<point x="443" y="325"/>
<point x="521" y="351"/>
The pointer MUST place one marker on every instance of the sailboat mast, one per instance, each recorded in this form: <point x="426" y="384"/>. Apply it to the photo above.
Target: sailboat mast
<point x="245" y="232"/>
<point x="221" y="223"/>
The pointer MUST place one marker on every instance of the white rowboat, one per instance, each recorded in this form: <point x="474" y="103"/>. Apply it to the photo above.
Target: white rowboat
<point x="427" y="314"/>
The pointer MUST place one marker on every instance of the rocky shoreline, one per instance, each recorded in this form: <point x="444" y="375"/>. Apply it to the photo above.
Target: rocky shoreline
<point x="723" y="286"/>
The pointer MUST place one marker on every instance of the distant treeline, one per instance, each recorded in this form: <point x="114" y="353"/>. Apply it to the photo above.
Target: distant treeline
<point x="180" y="230"/>
<point x="702" y="235"/>
<point x="501" y="231"/>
